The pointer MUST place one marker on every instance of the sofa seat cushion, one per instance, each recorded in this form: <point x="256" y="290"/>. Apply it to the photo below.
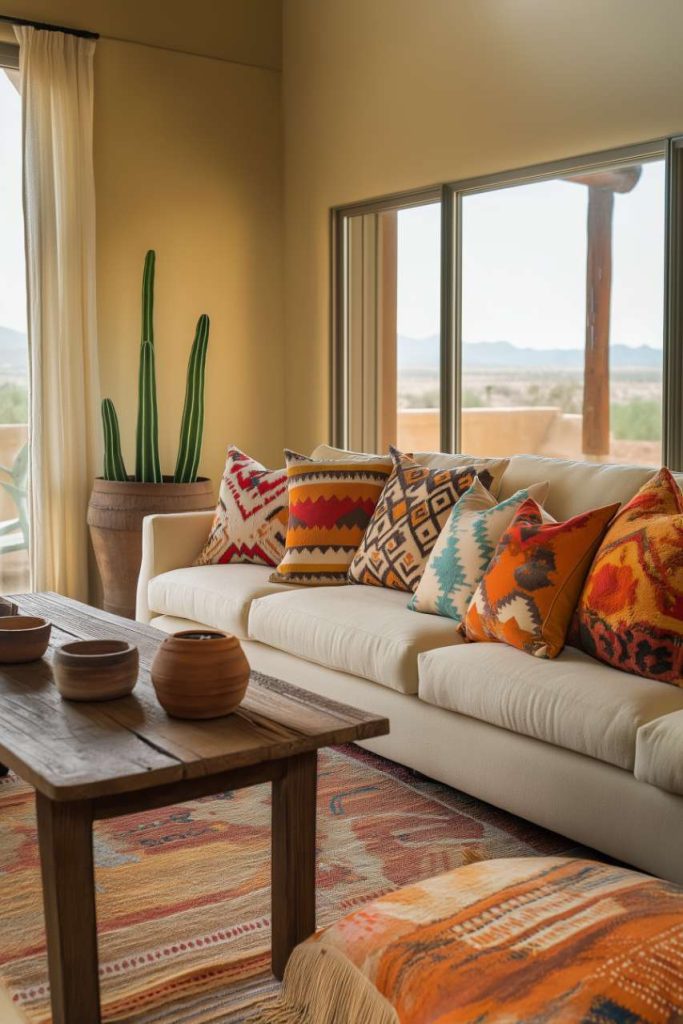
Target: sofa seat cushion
<point x="659" y="753"/>
<point x="572" y="702"/>
<point x="215" y="595"/>
<point x="367" y="631"/>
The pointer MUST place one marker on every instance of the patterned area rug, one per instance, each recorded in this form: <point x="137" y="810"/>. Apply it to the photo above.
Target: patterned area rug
<point x="183" y="893"/>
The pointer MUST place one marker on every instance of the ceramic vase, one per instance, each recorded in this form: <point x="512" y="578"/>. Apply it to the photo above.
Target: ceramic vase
<point x="200" y="674"/>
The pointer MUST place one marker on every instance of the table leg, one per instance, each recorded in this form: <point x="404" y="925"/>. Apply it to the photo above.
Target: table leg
<point x="293" y="857"/>
<point x="66" y="859"/>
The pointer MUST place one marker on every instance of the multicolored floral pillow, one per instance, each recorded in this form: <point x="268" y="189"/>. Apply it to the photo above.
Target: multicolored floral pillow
<point x="630" y="613"/>
<point x="408" y="520"/>
<point x="529" y="591"/>
<point x="465" y="547"/>
<point x="330" y="505"/>
<point x="251" y="515"/>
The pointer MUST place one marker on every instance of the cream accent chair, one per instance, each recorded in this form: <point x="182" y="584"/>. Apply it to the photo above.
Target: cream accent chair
<point x="572" y="745"/>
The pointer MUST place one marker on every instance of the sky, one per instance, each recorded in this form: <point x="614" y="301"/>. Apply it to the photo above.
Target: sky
<point x="524" y="265"/>
<point x="12" y="271"/>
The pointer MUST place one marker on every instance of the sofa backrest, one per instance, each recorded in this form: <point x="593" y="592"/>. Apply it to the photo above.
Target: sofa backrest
<point x="574" y="486"/>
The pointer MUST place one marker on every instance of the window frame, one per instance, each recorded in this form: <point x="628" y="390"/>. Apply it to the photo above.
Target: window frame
<point x="9" y="55"/>
<point x="451" y="194"/>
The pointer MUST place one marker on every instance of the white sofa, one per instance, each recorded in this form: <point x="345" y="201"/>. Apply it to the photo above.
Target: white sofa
<point x="571" y="744"/>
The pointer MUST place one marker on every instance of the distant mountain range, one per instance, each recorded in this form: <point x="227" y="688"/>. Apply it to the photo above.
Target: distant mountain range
<point x="423" y="354"/>
<point x="13" y="353"/>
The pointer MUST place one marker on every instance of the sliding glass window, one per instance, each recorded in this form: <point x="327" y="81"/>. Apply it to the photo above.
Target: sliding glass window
<point x="388" y="356"/>
<point x="518" y="313"/>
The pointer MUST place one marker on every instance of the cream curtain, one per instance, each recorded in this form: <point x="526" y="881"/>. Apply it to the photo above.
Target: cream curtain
<point x="59" y="210"/>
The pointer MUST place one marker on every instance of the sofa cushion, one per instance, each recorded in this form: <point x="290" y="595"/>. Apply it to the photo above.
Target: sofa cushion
<point x="630" y="613"/>
<point x="574" y="486"/>
<point x="330" y="505"/>
<point x="407" y="521"/>
<point x="367" y="631"/>
<point x="464" y="549"/>
<point x="659" y="753"/>
<point x="572" y="702"/>
<point x="251" y="515"/>
<point x="215" y="595"/>
<point x="527" y="596"/>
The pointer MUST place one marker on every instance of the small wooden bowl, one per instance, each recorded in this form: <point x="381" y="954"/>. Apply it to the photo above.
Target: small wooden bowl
<point x="200" y="674"/>
<point x="23" y="638"/>
<point x="96" y="669"/>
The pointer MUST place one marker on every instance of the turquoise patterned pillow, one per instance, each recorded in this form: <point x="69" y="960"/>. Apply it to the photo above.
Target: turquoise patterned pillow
<point x="465" y="547"/>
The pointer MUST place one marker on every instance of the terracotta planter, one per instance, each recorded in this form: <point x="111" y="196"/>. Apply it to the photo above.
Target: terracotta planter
<point x="200" y="674"/>
<point x="115" y="515"/>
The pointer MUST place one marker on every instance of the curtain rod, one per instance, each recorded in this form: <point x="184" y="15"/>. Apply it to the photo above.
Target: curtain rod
<point x="82" y="33"/>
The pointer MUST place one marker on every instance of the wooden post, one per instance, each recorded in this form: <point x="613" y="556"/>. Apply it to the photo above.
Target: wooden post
<point x="601" y="188"/>
<point x="596" y="439"/>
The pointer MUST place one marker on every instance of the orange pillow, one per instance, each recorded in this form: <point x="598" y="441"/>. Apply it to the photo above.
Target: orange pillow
<point x="630" y="613"/>
<point x="529" y="591"/>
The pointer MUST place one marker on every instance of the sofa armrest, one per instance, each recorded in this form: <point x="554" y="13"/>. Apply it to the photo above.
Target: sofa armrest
<point x="169" y="542"/>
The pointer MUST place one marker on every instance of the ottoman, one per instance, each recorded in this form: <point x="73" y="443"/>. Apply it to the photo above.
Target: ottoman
<point x="532" y="940"/>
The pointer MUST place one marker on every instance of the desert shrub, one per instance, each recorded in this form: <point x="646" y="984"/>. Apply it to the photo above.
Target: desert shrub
<point x="13" y="403"/>
<point x="639" y="419"/>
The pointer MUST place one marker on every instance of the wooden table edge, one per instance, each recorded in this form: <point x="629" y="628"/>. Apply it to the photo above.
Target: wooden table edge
<point x="183" y="771"/>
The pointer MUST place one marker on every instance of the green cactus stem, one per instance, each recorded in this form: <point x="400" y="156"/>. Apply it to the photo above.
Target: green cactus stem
<point x="148" y="297"/>
<point x="192" y="426"/>
<point x="147" y="465"/>
<point x="114" y="468"/>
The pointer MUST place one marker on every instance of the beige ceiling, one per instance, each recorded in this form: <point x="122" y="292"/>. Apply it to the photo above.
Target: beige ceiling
<point x="248" y="31"/>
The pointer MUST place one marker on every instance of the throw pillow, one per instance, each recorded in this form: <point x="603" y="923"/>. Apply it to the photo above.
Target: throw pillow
<point x="407" y="522"/>
<point x="251" y="515"/>
<point x="330" y="505"/>
<point x="527" y="595"/>
<point x="465" y="547"/>
<point x="630" y="613"/>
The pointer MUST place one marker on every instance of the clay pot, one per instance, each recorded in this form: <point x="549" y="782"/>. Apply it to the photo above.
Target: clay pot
<point x="115" y="515"/>
<point x="200" y="674"/>
<point x="23" y="638"/>
<point x="95" y="669"/>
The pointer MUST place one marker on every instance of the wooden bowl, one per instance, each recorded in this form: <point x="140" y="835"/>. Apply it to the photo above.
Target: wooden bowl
<point x="200" y="674"/>
<point x="23" y="638"/>
<point x="95" y="669"/>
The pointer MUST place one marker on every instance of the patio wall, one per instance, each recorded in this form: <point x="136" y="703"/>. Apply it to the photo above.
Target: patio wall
<point x="536" y="430"/>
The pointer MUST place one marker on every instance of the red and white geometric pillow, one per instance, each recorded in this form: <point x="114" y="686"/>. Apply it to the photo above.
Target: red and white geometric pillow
<point x="250" y="524"/>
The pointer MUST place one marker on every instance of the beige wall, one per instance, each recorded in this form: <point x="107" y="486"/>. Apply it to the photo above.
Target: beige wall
<point x="188" y="160"/>
<point x="384" y="95"/>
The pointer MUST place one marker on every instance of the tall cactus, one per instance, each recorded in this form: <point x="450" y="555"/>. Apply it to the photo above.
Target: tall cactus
<point x="147" y="463"/>
<point x="114" y="468"/>
<point x="192" y="425"/>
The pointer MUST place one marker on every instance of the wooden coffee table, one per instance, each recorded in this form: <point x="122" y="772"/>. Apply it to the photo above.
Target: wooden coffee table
<point x="89" y="761"/>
